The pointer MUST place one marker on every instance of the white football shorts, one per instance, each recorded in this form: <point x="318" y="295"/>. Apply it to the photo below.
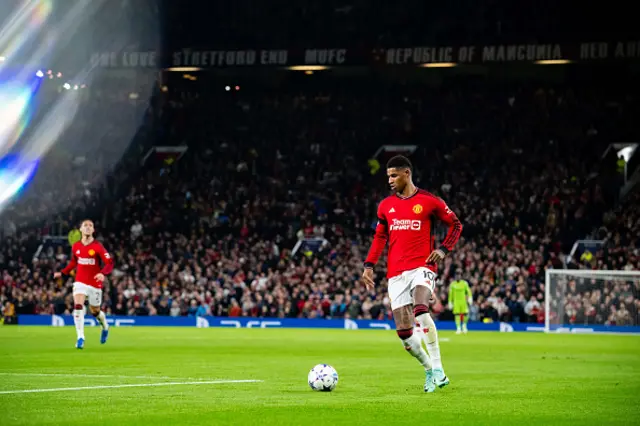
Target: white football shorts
<point x="94" y="295"/>
<point x="401" y="286"/>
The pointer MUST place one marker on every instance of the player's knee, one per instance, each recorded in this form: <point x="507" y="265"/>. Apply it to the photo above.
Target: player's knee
<point x="420" y="309"/>
<point x="405" y="334"/>
<point x="95" y="311"/>
<point x="78" y="307"/>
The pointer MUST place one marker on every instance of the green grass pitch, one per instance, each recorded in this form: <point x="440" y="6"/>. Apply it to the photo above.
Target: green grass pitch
<point x="497" y="378"/>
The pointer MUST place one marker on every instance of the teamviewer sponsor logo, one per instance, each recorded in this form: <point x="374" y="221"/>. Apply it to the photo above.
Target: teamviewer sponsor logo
<point x="405" y="225"/>
<point x="86" y="261"/>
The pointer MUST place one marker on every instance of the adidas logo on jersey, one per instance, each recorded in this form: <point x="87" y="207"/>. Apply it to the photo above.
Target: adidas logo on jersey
<point x="392" y="210"/>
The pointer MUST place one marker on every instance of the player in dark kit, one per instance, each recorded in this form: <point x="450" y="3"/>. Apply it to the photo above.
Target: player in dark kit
<point x="405" y="221"/>
<point x="86" y="257"/>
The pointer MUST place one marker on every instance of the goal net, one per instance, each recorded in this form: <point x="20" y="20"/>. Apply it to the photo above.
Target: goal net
<point x="576" y="299"/>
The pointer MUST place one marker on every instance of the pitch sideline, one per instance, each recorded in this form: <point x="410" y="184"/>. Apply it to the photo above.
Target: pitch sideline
<point x="131" y="385"/>
<point x="102" y="376"/>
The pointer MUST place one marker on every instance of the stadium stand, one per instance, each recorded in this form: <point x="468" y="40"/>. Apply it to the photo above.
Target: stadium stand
<point x="214" y="232"/>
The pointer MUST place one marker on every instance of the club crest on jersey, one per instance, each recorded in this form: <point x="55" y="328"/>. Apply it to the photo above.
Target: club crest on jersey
<point x="92" y="252"/>
<point x="417" y="209"/>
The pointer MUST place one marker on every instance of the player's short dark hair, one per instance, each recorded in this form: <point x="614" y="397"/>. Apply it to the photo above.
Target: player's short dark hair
<point x="399" y="162"/>
<point x="86" y="220"/>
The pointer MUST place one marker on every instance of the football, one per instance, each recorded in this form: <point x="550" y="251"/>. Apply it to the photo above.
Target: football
<point x="323" y="378"/>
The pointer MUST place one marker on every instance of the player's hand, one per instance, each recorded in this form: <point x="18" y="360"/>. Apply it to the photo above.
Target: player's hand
<point x="450" y="306"/>
<point x="57" y="275"/>
<point x="367" y="278"/>
<point x="435" y="257"/>
<point x="99" y="277"/>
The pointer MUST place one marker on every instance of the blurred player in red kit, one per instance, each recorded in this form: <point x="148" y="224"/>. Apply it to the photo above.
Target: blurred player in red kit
<point x="405" y="221"/>
<point x="86" y="256"/>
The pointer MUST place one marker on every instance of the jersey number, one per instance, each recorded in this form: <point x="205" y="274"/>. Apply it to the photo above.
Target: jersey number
<point x="429" y="276"/>
<point x="106" y="256"/>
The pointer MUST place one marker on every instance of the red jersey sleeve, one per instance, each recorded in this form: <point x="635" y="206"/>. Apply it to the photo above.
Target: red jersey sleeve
<point x="106" y="260"/>
<point x="444" y="213"/>
<point x="379" y="240"/>
<point x="72" y="263"/>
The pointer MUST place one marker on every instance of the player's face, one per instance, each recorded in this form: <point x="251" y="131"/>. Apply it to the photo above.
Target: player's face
<point x="398" y="179"/>
<point x="86" y="228"/>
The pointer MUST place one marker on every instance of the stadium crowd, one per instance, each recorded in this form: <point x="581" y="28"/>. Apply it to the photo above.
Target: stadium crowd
<point x="214" y="232"/>
<point x="616" y="302"/>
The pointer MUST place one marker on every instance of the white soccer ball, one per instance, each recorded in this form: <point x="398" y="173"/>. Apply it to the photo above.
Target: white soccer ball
<point x="323" y="378"/>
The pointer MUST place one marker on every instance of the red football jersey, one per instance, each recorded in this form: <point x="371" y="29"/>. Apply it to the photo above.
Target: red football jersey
<point x="86" y="258"/>
<point x="406" y="223"/>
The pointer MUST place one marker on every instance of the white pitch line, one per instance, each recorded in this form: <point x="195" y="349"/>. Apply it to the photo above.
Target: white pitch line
<point x="136" y="385"/>
<point x="99" y="376"/>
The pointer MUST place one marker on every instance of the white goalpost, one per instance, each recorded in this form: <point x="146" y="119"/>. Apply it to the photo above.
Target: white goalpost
<point x="580" y="297"/>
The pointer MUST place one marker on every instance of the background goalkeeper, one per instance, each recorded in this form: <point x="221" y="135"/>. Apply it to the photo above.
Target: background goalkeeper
<point x="460" y="298"/>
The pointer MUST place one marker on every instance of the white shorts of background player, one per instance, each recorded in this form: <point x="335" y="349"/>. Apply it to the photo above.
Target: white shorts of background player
<point x="401" y="286"/>
<point x="93" y="295"/>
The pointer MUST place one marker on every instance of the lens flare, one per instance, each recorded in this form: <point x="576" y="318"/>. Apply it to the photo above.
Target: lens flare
<point x="41" y="122"/>
<point x="23" y="26"/>
<point x="15" y="112"/>
<point x="15" y="174"/>
<point x="41" y="12"/>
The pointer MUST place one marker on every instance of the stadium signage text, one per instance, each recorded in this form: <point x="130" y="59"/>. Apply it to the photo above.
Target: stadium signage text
<point x="228" y="58"/>
<point x="325" y="56"/>
<point x="146" y="59"/>
<point x="221" y="58"/>
<point x="512" y="53"/>
<point x="390" y="56"/>
<point x="348" y="324"/>
<point x="473" y="54"/>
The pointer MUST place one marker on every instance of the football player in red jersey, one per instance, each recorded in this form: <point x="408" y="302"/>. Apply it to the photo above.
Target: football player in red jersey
<point x="86" y="255"/>
<point x="405" y="221"/>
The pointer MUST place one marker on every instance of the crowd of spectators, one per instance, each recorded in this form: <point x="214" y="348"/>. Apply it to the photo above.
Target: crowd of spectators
<point x="213" y="233"/>
<point x="614" y="300"/>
